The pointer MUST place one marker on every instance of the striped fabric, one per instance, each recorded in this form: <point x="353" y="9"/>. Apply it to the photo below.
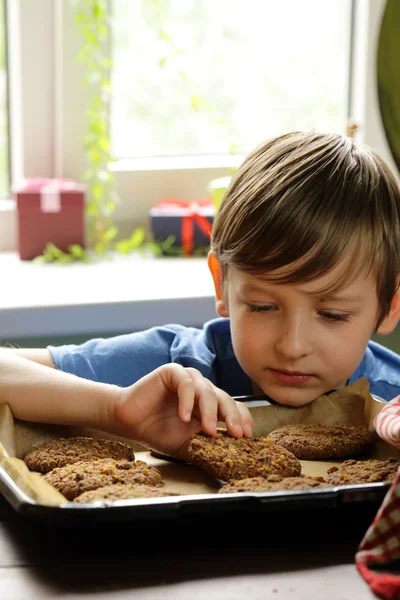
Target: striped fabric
<point x="381" y="544"/>
<point x="387" y="422"/>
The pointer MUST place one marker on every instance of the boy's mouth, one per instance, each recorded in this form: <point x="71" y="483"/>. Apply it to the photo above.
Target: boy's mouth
<point x="291" y="377"/>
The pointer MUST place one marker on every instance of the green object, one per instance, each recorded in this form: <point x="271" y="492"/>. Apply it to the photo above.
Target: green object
<point x="53" y="254"/>
<point x="92" y="19"/>
<point x="389" y="76"/>
<point x="217" y="188"/>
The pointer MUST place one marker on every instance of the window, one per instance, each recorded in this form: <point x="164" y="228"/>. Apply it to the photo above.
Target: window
<point x="206" y="77"/>
<point x="47" y="98"/>
<point x="4" y="170"/>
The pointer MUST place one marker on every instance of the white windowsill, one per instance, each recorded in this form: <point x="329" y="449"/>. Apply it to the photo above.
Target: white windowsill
<point x="123" y="293"/>
<point x="167" y="163"/>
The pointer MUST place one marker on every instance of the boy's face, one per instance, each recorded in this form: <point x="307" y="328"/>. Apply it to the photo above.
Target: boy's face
<point x="294" y="342"/>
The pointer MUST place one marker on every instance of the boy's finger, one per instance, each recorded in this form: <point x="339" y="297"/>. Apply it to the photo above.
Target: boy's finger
<point x="247" y="419"/>
<point x="229" y="412"/>
<point x="179" y="381"/>
<point x="206" y="400"/>
<point x="186" y="398"/>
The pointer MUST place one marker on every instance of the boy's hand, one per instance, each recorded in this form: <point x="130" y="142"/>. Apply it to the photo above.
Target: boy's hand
<point x="165" y="408"/>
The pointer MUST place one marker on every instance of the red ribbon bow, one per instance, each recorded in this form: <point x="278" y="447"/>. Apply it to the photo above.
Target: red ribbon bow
<point x="191" y="216"/>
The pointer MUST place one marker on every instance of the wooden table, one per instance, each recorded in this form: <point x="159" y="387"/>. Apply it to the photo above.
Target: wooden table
<point x="234" y="557"/>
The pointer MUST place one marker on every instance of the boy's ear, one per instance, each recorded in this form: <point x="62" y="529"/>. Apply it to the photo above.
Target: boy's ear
<point x="216" y="272"/>
<point x="390" y="321"/>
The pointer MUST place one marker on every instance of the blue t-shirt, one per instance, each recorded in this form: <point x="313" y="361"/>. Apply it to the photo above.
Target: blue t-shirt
<point x="124" y="359"/>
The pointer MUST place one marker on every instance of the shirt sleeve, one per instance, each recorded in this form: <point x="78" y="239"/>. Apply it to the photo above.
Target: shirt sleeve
<point x="120" y="360"/>
<point x="381" y="367"/>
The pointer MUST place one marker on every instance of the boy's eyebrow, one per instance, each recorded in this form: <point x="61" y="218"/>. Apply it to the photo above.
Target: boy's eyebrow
<point x="323" y="296"/>
<point x="251" y="287"/>
<point x="339" y="297"/>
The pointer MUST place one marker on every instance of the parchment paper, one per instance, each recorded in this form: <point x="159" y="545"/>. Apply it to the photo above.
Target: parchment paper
<point x="352" y="405"/>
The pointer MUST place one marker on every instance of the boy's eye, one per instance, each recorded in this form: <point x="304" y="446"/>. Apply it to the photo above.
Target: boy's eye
<point x="331" y="316"/>
<point x="260" y="308"/>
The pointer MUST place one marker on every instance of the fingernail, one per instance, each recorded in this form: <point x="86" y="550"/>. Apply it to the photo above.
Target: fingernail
<point x="187" y="416"/>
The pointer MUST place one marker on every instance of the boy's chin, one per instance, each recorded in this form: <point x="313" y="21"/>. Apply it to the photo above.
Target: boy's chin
<point x="288" y="396"/>
<point x="295" y="402"/>
<point x="291" y="397"/>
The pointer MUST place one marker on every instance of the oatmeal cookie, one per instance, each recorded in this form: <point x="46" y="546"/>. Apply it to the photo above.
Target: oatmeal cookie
<point x="272" y="483"/>
<point x="363" y="471"/>
<point x="227" y="458"/>
<point x="65" y="451"/>
<point x="121" y="491"/>
<point x="317" y="442"/>
<point x="73" y="480"/>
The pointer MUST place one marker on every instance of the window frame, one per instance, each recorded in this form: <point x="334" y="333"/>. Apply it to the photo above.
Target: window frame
<point x="47" y="122"/>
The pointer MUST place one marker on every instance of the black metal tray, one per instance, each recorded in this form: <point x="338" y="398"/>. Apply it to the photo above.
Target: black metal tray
<point x="174" y="507"/>
<point x="177" y="507"/>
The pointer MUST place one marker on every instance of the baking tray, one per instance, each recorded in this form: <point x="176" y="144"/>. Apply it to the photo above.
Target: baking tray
<point x="32" y="500"/>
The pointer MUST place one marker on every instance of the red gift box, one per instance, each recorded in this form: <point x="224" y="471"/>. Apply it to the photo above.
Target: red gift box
<point x="49" y="210"/>
<point x="188" y="221"/>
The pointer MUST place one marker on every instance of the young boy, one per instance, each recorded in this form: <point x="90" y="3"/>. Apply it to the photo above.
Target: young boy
<point x="305" y="257"/>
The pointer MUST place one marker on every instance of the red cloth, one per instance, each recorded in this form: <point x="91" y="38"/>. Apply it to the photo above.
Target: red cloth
<point x="381" y="544"/>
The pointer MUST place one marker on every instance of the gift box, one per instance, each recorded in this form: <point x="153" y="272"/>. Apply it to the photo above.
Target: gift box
<point x="189" y="222"/>
<point x="49" y="210"/>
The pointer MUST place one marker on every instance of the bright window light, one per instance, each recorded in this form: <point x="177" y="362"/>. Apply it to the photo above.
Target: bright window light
<point x="209" y="77"/>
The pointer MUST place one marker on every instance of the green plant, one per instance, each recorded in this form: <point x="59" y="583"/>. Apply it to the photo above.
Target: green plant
<point x="53" y="254"/>
<point x="92" y="19"/>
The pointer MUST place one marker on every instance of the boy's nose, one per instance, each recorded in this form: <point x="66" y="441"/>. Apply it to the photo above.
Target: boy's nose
<point x="294" y="340"/>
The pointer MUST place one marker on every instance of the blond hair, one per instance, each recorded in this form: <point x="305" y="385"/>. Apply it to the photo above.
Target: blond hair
<point x="301" y="203"/>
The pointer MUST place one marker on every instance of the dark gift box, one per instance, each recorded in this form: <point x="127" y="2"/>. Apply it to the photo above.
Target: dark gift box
<point x="49" y="210"/>
<point x="189" y="222"/>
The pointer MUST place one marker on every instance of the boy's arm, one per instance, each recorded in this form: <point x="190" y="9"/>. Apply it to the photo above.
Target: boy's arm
<point x="36" y="393"/>
<point x="39" y="355"/>
<point x="162" y="410"/>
